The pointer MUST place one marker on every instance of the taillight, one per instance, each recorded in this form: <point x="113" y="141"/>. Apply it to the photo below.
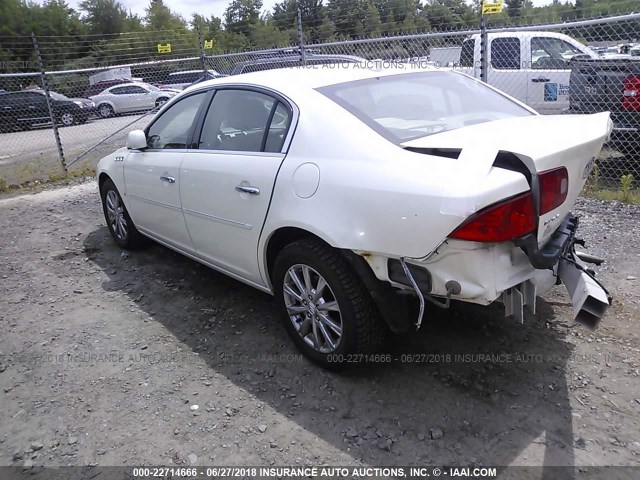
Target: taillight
<point x="631" y="93"/>
<point x="507" y="220"/>
<point x="554" y="185"/>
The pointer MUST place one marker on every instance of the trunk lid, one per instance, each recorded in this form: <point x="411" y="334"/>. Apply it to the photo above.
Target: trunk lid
<point x="546" y="142"/>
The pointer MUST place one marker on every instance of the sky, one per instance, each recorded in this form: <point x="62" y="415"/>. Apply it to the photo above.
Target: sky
<point x="208" y="7"/>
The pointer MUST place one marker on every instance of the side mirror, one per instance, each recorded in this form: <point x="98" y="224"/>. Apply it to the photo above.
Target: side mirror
<point x="136" y="140"/>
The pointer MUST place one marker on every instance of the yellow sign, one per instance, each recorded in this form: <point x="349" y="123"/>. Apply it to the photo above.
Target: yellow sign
<point x="489" y="7"/>
<point x="208" y="44"/>
<point x="164" y="48"/>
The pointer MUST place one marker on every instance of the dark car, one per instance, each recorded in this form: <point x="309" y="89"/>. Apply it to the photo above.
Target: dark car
<point x="290" y="60"/>
<point x="22" y="109"/>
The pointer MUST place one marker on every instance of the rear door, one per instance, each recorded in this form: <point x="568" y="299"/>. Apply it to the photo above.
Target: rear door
<point x="505" y="67"/>
<point x="228" y="180"/>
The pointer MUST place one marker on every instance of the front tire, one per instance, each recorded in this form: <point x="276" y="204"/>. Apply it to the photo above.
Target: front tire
<point x="105" y="110"/>
<point x="324" y="305"/>
<point x="120" y="225"/>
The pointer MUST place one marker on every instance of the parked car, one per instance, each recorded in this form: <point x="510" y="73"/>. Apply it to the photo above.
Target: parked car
<point x="290" y="60"/>
<point x="131" y="97"/>
<point x="610" y="85"/>
<point x="100" y="87"/>
<point x="88" y="105"/>
<point x="183" y="79"/>
<point x="530" y="66"/>
<point x="22" y="109"/>
<point x="337" y="190"/>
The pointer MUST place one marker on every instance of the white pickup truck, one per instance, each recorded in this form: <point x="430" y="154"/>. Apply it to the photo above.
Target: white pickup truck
<point x="530" y="66"/>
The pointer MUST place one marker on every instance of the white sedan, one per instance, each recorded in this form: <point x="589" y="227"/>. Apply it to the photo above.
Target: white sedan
<point x="341" y="190"/>
<point x="131" y="97"/>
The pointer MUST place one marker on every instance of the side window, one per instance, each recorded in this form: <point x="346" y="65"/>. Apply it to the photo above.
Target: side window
<point x="136" y="89"/>
<point x="466" y="54"/>
<point x="173" y="128"/>
<point x="237" y="121"/>
<point x="278" y="129"/>
<point x="551" y="53"/>
<point x="119" y="90"/>
<point x="505" y="53"/>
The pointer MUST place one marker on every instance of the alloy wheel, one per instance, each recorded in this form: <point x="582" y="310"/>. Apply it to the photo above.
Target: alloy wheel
<point x="115" y="214"/>
<point x="312" y="308"/>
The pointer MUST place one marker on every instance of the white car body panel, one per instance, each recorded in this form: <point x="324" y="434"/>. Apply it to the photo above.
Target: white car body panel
<point x="131" y="102"/>
<point x="400" y="203"/>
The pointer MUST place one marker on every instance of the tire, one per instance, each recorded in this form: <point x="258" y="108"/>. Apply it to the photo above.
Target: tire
<point x="161" y="101"/>
<point x="105" y="110"/>
<point x="356" y="326"/>
<point x="120" y="225"/>
<point x="67" y="119"/>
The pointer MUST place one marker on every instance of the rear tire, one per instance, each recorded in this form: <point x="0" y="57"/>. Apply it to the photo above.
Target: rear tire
<point x="67" y="119"/>
<point x="120" y="225"/>
<point x="324" y="305"/>
<point x="161" y="101"/>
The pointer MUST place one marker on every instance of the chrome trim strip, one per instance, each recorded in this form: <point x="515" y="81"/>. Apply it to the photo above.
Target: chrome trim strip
<point x="226" y="221"/>
<point x="153" y="202"/>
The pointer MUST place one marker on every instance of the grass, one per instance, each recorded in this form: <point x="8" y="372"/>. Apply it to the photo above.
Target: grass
<point x="632" y="196"/>
<point x="33" y="175"/>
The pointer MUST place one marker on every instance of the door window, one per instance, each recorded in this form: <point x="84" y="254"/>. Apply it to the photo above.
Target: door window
<point x="551" y="53"/>
<point x="173" y="128"/>
<point x="505" y="53"/>
<point x="244" y="120"/>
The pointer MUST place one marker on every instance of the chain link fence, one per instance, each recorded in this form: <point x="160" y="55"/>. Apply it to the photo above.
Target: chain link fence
<point x="70" y="102"/>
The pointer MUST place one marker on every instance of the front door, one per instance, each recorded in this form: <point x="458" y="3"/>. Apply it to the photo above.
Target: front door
<point x="152" y="175"/>
<point x="228" y="180"/>
<point x="549" y="74"/>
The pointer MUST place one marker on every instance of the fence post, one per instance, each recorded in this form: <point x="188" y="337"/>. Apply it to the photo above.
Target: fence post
<point x="52" y="117"/>
<point x="301" y="38"/>
<point x="483" y="47"/>
<point x="203" y="55"/>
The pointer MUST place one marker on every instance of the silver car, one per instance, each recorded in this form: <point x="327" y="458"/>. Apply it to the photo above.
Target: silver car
<point x="131" y="97"/>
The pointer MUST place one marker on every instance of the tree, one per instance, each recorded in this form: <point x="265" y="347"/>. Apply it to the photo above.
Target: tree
<point x="160" y="17"/>
<point x="514" y="8"/>
<point x="104" y="16"/>
<point x="372" y="23"/>
<point x="241" y="16"/>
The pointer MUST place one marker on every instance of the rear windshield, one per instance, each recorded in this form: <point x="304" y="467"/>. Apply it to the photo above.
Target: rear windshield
<point x="408" y="106"/>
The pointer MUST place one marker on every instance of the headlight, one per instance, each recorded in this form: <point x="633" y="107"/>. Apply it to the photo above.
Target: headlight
<point x="79" y="103"/>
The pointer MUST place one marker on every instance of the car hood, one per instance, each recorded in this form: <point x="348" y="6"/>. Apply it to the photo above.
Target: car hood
<point x="546" y="141"/>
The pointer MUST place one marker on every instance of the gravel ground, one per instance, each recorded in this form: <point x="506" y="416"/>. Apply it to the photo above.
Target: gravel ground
<point x="125" y="358"/>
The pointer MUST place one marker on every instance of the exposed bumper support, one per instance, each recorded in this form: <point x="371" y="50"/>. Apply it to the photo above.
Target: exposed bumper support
<point x="590" y="301"/>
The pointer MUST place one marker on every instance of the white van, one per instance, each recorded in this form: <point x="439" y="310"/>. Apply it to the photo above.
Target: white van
<point x="530" y="66"/>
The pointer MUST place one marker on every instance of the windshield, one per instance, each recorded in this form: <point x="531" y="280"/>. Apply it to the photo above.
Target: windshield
<point x="409" y="106"/>
<point x="58" y="96"/>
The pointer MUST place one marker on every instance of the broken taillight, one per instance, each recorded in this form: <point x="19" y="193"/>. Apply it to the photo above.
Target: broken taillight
<point x="631" y="93"/>
<point x="554" y="185"/>
<point x="503" y="221"/>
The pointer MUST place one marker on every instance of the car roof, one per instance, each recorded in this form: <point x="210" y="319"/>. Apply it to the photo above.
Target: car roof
<point x="313" y="76"/>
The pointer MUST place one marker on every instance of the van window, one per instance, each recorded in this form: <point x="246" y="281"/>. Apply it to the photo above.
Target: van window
<point x="466" y="54"/>
<point x="505" y="53"/>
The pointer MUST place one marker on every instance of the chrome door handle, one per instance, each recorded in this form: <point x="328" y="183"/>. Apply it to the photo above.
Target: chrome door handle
<point x="248" y="189"/>
<point x="168" y="179"/>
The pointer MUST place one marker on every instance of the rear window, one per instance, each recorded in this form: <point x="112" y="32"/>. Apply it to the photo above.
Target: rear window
<point x="408" y="106"/>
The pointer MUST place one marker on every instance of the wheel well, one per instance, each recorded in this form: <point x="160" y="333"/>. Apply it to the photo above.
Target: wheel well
<point x="280" y="239"/>
<point x="101" y="179"/>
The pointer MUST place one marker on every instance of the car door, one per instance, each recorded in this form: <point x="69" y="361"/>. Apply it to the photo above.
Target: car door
<point x="549" y="73"/>
<point x="152" y="175"/>
<point x="228" y="180"/>
<point x="505" y="67"/>
<point x="140" y="98"/>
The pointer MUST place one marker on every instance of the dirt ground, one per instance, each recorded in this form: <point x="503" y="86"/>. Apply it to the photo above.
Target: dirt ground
<point x="105" y="354"/>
